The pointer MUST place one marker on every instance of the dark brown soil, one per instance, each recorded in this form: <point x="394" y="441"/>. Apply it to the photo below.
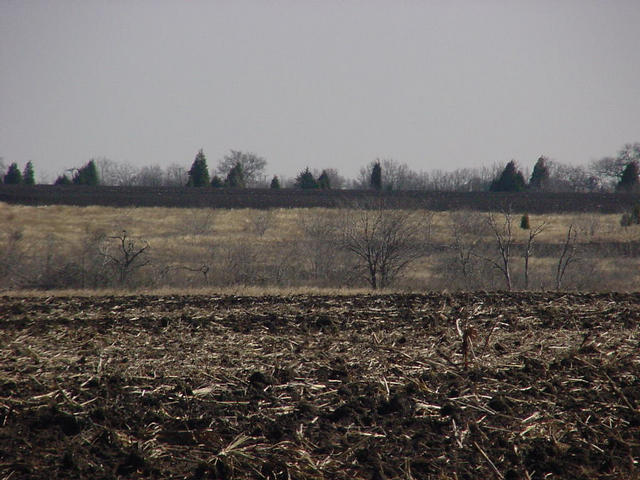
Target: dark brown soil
<point x="465" y="386"/>
<point x="182" y="197"/>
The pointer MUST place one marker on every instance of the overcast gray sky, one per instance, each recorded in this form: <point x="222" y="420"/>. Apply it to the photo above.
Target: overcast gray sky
<point x="435" y="84"/>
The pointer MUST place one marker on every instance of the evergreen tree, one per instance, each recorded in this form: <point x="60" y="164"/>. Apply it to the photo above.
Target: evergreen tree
<point x="87" y="175"/>
<point x="199" y="172"/>
<point x="324" y="182"/>
<point x="235" y="177"/>
<point x="28" y="177"/>
<point x="63" y="180"/>
<point x="540" y="174"/>
<point x="306" y="180"/>
<point x="216" y="182"/>
<point x="510" y="180"/>
<point x="275" y="183"/>
<point x="628" y="182"/>
<point x="13" y="176"/>
<point x="376" y="177"/>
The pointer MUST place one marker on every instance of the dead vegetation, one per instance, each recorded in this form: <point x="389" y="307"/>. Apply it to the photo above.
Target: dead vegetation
<point x="507" y="386"/>
<point x="60" y="247"/>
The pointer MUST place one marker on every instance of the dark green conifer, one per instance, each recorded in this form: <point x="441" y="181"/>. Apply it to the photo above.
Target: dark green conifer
<point x="199" y="172"/>
<point x="216" y="182"/>
<point x="306" y="180"/>
<point x="87" y="175"/>
<point x="63" y="180"/>
<point x="376" y="177"/>
<point x="235" y="177"/>
<point x="629" y="181"/>
<point x="510" y="180"/>
<point x="540" y="175"/>
<point x="324" y="182"/>
<point x="13" y="175"/>
<point x="28" y="176"/>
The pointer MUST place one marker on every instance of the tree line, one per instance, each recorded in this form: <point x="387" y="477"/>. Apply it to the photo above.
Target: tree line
<point x="624" y="178"/>
<point x="240" y="169"/>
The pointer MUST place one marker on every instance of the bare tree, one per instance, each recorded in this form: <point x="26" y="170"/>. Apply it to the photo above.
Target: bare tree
<point x="127" y="255"/>
<point x="252" y="166"/>
<point x="105" y="166"/>
<point x="395" y="176"/>
<point x="467" y="230"/>
<point x="176" y="176"/>
<point x="608" y="170"/>
<point x="571" y="178"/>
<point x="568" y="255"/>
<point x="150" y="176"/>
<point x="115" y="173"/>
<point x="321" y="244"/>
<point x="503" y="233"/>
<point x="528" y="250"/>
<point x="385" y="242"/>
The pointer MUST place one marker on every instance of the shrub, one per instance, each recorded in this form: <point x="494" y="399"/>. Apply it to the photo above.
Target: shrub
<point x="632" y="217"/>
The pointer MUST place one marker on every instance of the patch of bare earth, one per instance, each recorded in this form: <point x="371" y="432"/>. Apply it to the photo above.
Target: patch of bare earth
<point x="507" y="386"/>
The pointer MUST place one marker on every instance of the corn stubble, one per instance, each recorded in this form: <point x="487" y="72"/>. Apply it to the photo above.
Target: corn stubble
<point x="519" y="385"/>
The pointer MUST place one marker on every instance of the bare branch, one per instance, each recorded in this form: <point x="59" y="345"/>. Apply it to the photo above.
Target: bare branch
<point x="503" y="235"/>
<point x="568" y="255"/>
<point x="128" y="257"/>
<point x="533" y="233"/>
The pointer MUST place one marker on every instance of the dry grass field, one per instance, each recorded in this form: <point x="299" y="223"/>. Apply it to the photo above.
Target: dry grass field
<point x="157" y="223"/>
<point x="64" y="247"/>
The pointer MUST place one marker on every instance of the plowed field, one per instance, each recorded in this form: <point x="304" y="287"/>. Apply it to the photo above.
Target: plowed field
<point x="507" y="386"/>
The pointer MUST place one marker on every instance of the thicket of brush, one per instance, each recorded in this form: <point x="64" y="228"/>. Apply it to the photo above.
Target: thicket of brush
<point x="60" y="247"/>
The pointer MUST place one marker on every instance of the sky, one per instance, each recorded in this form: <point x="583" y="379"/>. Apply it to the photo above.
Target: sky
<point x="327" y="84"/>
